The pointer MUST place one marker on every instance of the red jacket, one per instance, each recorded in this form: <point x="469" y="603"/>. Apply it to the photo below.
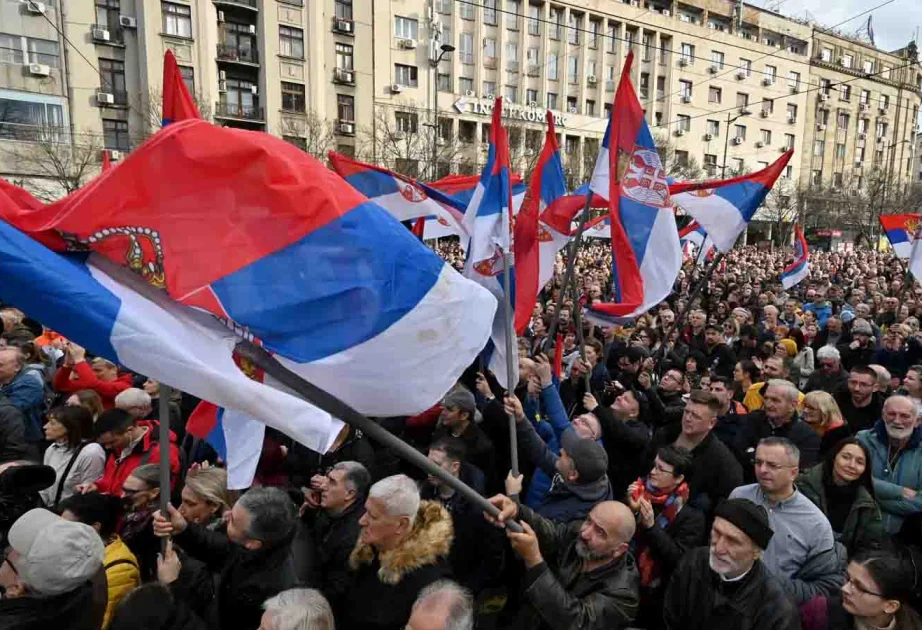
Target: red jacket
<point x="87" y="379"/>
<point x="147" y="451"/>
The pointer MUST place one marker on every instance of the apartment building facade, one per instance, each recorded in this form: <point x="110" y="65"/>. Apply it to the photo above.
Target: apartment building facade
<point x="410" y="83"/>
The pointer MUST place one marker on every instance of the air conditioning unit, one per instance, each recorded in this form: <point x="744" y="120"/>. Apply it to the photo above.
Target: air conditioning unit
<point x="713" y="69"/>
<point x="737" y="140"/>
<point x="824" y="98"/>
<point x="115" y="156"/>
<point x="39" y="69"/>
<point x="862" y="136"/>
<point x="880" y="140"/>
<point x="532" y="103"/>
<point x="768" y="81"/>
<point x="764" y="113"/>
<point x="686" y="99"/>
<point x="252" y="29"/>
<point x="470" y="94"/>
<point x="820" y="127"/>
<point x="396" y="88"/>
<point x="741" y="75"/>
<point x="841" y="61"/>
<point x="760" y="144"/>
<point x="666" y="12"/>
<point x="680" y="132"/>
<point x="105" y="98"/>
<point x="100" y="34"/>
<point x="783" y="148"/>
<point x="864" y="106"/>
<point x="683" y="61"/>
<point x="220" y="16"/>
<point x="254" y="89"/>
<point x="572" y="110"/>
<point x="343" y="26"/>
<point x="347" y="127"/>
<point x="36" y="7"/>
<point x="591" y="79"/>
<point x="635" y="3"/>
<point x="745" y="111"/>
<point x="708" y="137"/>
<point x="489" y="97"/>
<point x="408" y="44"/>
<point x="795" y="89"/>
<point x="882" y="110"/>
<point x="126" y="21"/>
<point x="792" y="119"/>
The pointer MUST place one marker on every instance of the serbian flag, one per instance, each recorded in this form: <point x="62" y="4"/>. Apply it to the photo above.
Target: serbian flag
<point x="646" y="254"/>
<point x="900" y="230"/>
<point x="725" y="207"/>
<point x="177" y="102"/>
<point x="562" y="212"/>
<point x="693" y="235"/>
<point x="462" y="188"/>
<point x="599" y="227"/>
<point x="800" y="267"/>
<point x="255" y="239"/>
<point x="487" y="220"/>
<point x="536" y="245"/>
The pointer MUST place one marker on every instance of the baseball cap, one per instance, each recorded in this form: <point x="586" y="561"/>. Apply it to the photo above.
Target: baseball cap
<point x="56" y="556"/>
<point x="589" y="457"/>
<point x="460" y="398"/>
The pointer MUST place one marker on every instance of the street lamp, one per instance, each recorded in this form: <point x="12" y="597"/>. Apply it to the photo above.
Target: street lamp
<point x="723" y="169"/>
<point x="444" y="50"/>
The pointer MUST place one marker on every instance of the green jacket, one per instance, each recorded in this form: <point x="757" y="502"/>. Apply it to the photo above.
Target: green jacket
<point x="863" y="527"/>
<point x="889" y="482"/>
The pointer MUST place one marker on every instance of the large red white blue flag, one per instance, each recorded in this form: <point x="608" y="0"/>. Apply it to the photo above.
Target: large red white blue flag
<point x="178" y="104"/>
<point x="646" y="254"/>
<point x="800" y="266"/>
<point x="249" y="237"/>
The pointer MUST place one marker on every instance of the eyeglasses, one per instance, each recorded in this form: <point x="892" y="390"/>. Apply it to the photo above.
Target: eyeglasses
<point x="659" y="468"/>
<point x="771" y="465"/>
<point x="860" y="589"/>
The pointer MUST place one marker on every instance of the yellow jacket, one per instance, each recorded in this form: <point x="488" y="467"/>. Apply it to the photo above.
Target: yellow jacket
<point x="754" y="401"/>
<point x="122" y="575"/>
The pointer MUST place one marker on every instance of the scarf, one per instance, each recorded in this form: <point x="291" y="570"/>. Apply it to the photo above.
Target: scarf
<point x="670" y="506"/>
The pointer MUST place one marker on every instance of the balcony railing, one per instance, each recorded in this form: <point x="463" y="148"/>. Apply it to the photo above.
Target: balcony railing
<point x="250" y="4"/>
<point x="233" y="53"/>
<point x="240" y="112"/>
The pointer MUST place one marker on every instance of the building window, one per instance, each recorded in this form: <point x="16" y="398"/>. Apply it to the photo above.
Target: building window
<point x="534" y="16"/>
<point x="794" y="80"/>
<point x="552" y="69"/>
<point x="792" y="111"/>
<point x="512" y="55"/>
<point x="343" y="9"/>
<point x="177" y="19"/>
<point x="644" y="85"/>
<point x="573" y="69"/>
<point x="819" y="147"/>
<point x="771" y="73"/>
<point x="683" y="122"/>
<point x="681" y="158"/>
<point x="710" y="163"/>
<point x="884" y="101"/>
<point x="571" y="104"/>
<point x="590" y="68"/>
<point x="843" y="120"/>
<point x="293" y="97"/>
<point x="847" y="61"/>
<point x="826" y="54"/>
<point x="571" y="145"/>
<point x="590" y="107"/>
<point x="736" y="166"/>
<point x="405" y="75"/>
<point x="240" y="99"/>
<point x="714" y="95"/>
<point x="407" y="122"/>
<point x="446" y="128"/>
<point x="444" y="82"/>
<point x="344" y="57"/>
<point x="11" y="50"/>
<point x="869" y="66"/>
<point x="595" y="27"/>
<point x="115" y="133"/>
<point x="489" y="48"/>
<point x="297" y="141"/>
<point x="713" y="127"/>
<point x="405" y="28"/>
<point x="485" y="133"/>
<point x="112" y="79"/>
<point x="717" y="59"/>
<point x="816" y="178"/>
<point x="657" y="119"/>
<point x="512" y="15"/>
<point x="739" y="131"/>
<point x="865" y="97"/>
<point x="467" y="48"/>
<point x="511" y="93"/>
<point x="685" y="88"/>
<point x="489" y="89"/>
<point x="40" y="51"/>
<point x="607" y="109"/>
<point x="881" y="130"/>
<point x="840" y="150"/>
<point x="467" y="9"/>
<point x="612" y="38"/>
<point x="188" y="77"/>
<point x="837" y="180"/>
<point x="768" y="105"/>
<point x="465" y="85"/>
<point x="443" y="6"/>
<point x="291" y="42"/>
<point x="467" y="130"/>
<point x="573" y="31"/>
<point x="30" y="120"/>
<point x="746" y="66"/>
<point x="345" y="107"/>
<point x="862" y="125"/>
<point x="766" y="136"/>
<point x="107" y="12"/>
<point x="846" y="92"/>
<point x="556" y="23"/>
<point x="531" y="96"/>
<point x="489" y="12"/>
<point x="688" y="53"/>
<point x="646" y="44"/>
<point x="788" y="171"/>
<point x="742" y="100"/>
<point x="551" y="100"/>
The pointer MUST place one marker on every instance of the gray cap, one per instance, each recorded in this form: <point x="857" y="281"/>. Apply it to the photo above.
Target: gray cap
<point x="460" y="398"/>
<point x="589" y="457"/>
<point x="55" y="556"/>
<point x="862" y="327"/>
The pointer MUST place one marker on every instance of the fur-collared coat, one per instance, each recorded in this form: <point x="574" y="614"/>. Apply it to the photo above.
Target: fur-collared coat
<point x="383" y="586"/>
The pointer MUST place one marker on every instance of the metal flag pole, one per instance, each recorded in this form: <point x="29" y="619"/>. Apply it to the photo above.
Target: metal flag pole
<point x="510" y="366"/>
<point x="337" y="408"/>
<point x="572" y="249"/>
<point x="163" y="409"/>
<point x="580" y="335"/>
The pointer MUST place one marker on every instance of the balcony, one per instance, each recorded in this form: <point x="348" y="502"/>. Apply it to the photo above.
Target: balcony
<point x="248" y="4"/>
<point x="235" y="111"/>
<point x="233" y="54"/>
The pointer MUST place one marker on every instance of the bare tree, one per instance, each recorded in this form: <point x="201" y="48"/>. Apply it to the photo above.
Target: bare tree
<point x="781" y="208"/>
<point x="677" y="164"/>
<point x="53" y="164"/>
<point x="525" y="144"/>
<point x="310" y="132"/>
<point x="154" y="110"/>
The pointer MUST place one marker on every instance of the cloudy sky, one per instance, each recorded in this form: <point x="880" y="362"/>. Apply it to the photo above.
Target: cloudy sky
<point x="894" y="24"/>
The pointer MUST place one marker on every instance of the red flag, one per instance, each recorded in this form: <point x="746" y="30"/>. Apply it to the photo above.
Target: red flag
<point x="558" y="355"/>
<point x="419" y="228"/>
<point x="106" y="160"/>
<point x="177" y="102"/>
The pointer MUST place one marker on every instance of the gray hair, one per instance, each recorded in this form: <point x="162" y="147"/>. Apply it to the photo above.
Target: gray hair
<point x="786" y="386"/>
<point x="20" y="357"/>
<point x="828" y="352"/>
<point x="149" y="474"/>
<point x="355" y="477"/>
<point x="300" y="609"/>
<point x="459" y="601"/>
<point x="132" y="397"/>
<point x="790" y="449"/>
<point x="899" y="397"/>
<point x="883" y="376"/>
<point x="770" y="308"/>
<point x="399" y="494"/>
<point x="272" y="514"/>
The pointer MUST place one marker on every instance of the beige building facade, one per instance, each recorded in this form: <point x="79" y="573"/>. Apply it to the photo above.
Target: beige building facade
<point x="716" y="79"/>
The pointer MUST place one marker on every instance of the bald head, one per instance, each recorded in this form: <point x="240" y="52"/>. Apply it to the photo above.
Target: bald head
<point x="617" y="518"/>
<point x="606" y="533"/>
<point x="443" y="605"/>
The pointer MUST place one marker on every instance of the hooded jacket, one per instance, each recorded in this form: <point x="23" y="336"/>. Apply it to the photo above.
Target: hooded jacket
<point x="889" y="482"/>
<point x="146" y="451"/>
<point x="383" y="586"/>
<point x="122" y="575"/>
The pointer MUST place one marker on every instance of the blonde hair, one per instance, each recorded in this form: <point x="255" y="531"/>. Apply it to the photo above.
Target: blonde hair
<point x="826" y="405"/>
<point x="210" y="484"/>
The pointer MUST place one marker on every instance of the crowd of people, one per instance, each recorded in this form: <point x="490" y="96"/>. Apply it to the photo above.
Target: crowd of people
<point x="742" y="457"/>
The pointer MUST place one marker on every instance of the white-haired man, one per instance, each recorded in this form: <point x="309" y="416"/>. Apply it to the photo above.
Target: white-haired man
<point x="403" y="547"/>
<point x="135" y="401"/>
<point x="829" y="377"/>
<point x="297" y="609"/>
<point x="443" y="605"/>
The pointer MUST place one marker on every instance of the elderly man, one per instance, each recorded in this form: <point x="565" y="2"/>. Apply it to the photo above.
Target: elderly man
<point x="403" y="547"/>
<point x="831" y="335"/>
<point x="779" y="418"/>
<point x="726" y="585"/>
<point x="135" y="401"/>
<point x="895" y="445"/>
<point x="861" y="404"/>
<point x="253" y="558"/>
<point x="443" y="605"/>
<point x="24" y="392"/>
<point x="804" y="555"/>
<point x="297" y="608"/>
<point x="577" y="575"/>
<point x="830" y="377"/>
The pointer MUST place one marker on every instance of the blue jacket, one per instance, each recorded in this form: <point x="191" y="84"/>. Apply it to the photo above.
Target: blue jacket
<point x="889" y="484"/>
<point x="27" y="394"/>
<point x="822" y="312"/>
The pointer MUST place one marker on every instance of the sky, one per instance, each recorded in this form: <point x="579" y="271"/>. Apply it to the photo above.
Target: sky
<point x="894" y="24"/>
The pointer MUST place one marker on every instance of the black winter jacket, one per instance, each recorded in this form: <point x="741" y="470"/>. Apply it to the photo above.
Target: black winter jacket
<point x="303" y="463"/>
<point x="12" y="433"/>
<point x="626" y="445"/>
<point x="80" y="609"/>
<point x="334" y="538"/>
<point x="757" y="426"/>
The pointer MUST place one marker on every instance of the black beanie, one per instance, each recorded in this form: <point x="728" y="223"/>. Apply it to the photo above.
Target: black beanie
<point x="752" y="519"/>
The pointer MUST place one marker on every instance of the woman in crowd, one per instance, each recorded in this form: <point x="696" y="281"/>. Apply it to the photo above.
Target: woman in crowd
<point x="745" y="374"/>
<point x="141" y="498"/>
<point x="75" y="457"/>
<point x="88" y="399"/>
<point x="205" y="497"/>
<point x="823" y="415"/>
<point x="802" y="363"/>
<point x="843" y="489"/>
<point x="731" y="331"/>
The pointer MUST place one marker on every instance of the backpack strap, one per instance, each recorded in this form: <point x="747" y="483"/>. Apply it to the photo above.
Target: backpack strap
<point x="70" y="465"/>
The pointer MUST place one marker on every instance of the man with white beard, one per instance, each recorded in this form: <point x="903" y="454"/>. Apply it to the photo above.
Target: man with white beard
<point x="895" y="444"/>
<point x="726" y="585"/>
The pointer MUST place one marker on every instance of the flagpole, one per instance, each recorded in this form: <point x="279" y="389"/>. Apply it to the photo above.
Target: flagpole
<point x="339" y="409"/>
<point x="580" y="335"/>
<point x="163" y="408"/>
<point x="510" y="365"/>
<point x="572" y="249"/>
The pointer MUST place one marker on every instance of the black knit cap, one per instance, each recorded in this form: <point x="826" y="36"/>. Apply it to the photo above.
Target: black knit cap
<point x="749" y="517"/>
